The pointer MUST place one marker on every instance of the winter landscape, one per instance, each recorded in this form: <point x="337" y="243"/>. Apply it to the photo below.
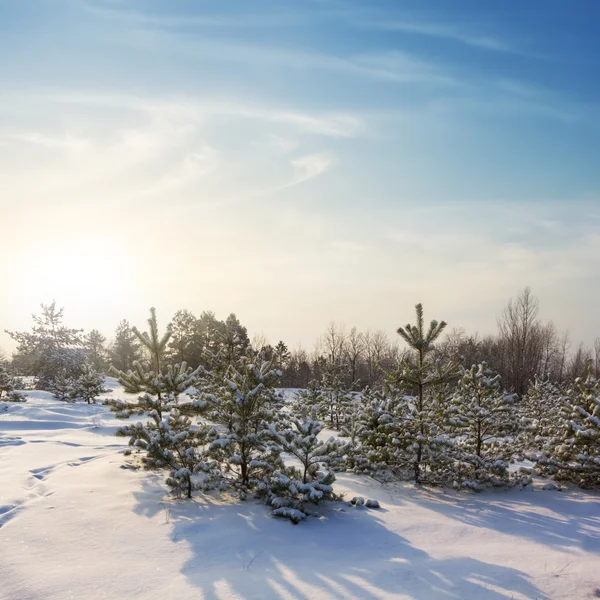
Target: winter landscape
<point x="226" y="486"/>
<point x="299" y="300"/>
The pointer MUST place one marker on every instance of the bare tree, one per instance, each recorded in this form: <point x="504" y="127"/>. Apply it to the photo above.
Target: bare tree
<point x="354" y="351"/>
<point x="520" y="336"/>
<point x="580" y="362"/>
<point x="334" y="343"/>
<point x="377" y="354"/>
<point x="563" y="354"/>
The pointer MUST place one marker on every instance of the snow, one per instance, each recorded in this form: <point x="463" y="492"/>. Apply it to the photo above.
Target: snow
<point x="75" y="524"/>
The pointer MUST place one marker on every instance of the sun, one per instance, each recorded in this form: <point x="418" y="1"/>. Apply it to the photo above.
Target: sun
<point x="87" y="273"/>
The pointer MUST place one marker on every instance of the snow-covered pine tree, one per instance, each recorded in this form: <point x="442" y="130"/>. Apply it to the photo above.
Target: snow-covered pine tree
<point x="238" y="396"/>
<point x="380" y="448"/>
<point x="6" y="381"/>
<point x="158" y="392"/>
<point x="171" y="441"/>
<point x="153" y="342"/>
<point x="89" y="385"/>
<point x="575" y="454"/>
<point x="421" y="434"/>
<point x="8" y="392"/>
<point x="289" y="489"/>
<point x="49" y="349"/>
<point x="542" y="411"/>
<point x="482" y="415"/>
<point x="309" y="399"/>
<point x="62" y="386"/>
<point x="162" y="385"/>
<point x="336" y="397"/>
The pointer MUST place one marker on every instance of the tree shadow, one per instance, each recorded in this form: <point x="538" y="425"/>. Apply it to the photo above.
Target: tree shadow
<point x="238" y="550"/>
<point x="567" y="519"/>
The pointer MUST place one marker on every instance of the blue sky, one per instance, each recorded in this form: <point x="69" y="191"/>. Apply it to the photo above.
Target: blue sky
<point x="298" y="162"/>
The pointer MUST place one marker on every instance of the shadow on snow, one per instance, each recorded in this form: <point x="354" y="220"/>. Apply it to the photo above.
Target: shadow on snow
<point x="240" y="551"/>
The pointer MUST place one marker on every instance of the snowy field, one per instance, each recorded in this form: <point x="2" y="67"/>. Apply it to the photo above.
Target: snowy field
<point x="75" y="524"/>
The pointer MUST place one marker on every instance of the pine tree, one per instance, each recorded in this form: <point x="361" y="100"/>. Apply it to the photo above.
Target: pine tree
<point x="171" y="441"/>
<point x="282" y="356"/>
<point x="6" y="381"/>
<point x="185" y="344"/>
<point x="380" y="432"/>
<point x="482" y="415"/>
<point x="153" y="342"/>
<point x="125" y="349"/>
<point x="89" y="385"/>
<point x="287" y="490"/>
<point x="63" y="386"/>
<point x="8" y="392"/>
<point x="95" y="351"/>
<point x="310" y="399"/>
<point x="238" y="396"/>
<point x="50" y="348"/>
<point x="422" y="437"/>
<point x="336" y="397"/>
<point x="542" y="411"/>
<point x="159" y="389"/>
<point x="575" y="454"/>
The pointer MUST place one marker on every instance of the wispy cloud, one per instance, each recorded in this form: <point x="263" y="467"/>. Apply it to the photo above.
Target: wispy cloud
<point x="272" y="18"/>
<point x="453" y="32"/>
<point x="393" y="66"/>
<point x="308" y="167"/>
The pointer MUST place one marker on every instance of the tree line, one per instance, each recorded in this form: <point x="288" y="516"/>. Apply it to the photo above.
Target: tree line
<point x="523" y="349"/>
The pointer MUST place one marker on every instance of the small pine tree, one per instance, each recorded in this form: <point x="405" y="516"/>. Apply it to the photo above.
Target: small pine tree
<point x="336" y="398"/>
<point x="575" y="453"/>
<point x="95" y="351"/>
<point x="89" y="385"/>
<point x="309" y="399"/>
<point x="542" y="411"/>
<point x="49" y="349"/>
<point x="288" y="490"/>
<point x="168" y="382"/>
<point x="481" y="415"/>
<point x="238" y="397"/>
<point x="421" y="435"/>
<point x="171" y="441"/>
<point x="380" y="425"/>
<point x="8" y="392"/>
<point x="6" y="381"/>
<point x="125" y="349"/>
<point x="153" y="342"/>
<point x="62" y="387"/>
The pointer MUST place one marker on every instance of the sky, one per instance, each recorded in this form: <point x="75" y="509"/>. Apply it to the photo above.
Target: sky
<point x="299" y="163"/>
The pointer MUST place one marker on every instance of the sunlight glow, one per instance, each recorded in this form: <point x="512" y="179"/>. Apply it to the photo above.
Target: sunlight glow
<point x="84" y="272"/>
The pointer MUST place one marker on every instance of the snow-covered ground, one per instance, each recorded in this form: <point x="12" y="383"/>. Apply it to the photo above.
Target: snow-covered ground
<point x="75" y="524"/>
